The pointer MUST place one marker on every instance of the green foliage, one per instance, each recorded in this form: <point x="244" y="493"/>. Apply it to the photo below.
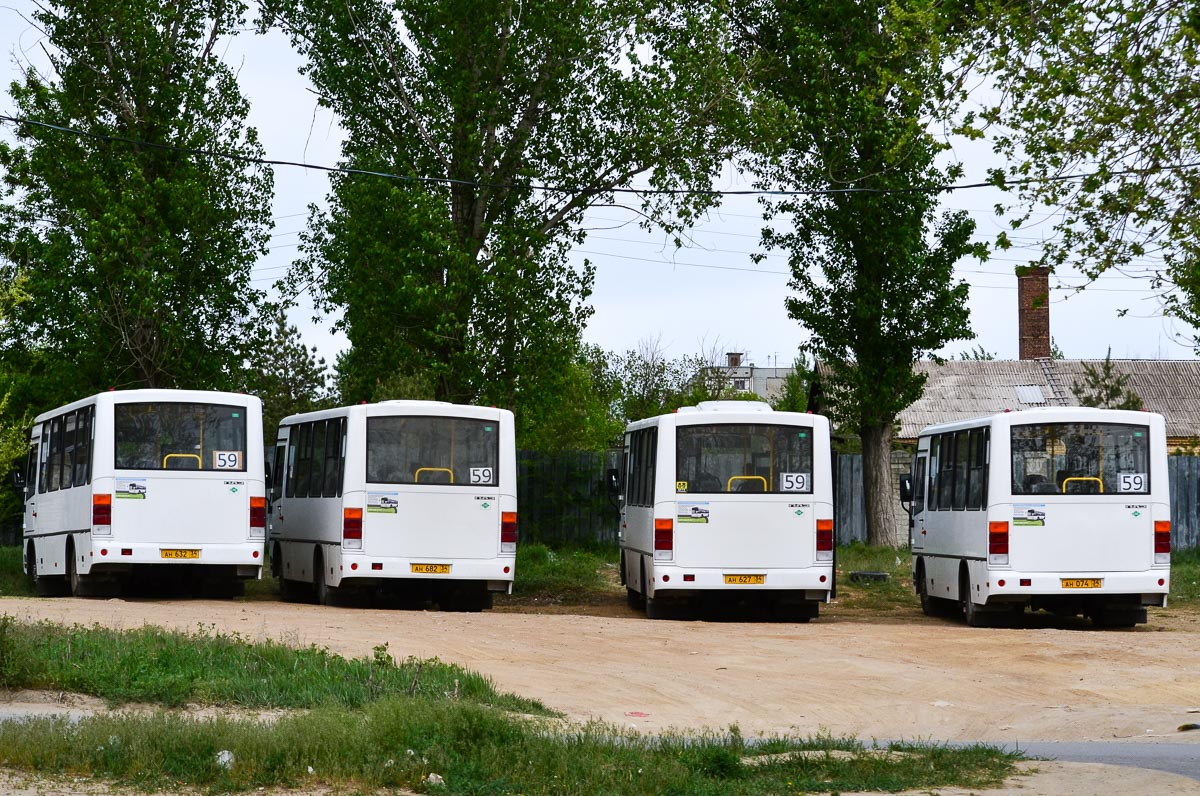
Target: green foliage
<point x="128" y="263"/>
<point x="1104" y="387"/>
<point x="842" y="93"/>
<point x="564" y="574"/>
<point x="287" y="376"/>
<point x="573" y="409"/>
<point x="173" y="669"/>
<point x="461" y="263"/>
<point x="1185" y="577"/>
<point x="977" y="354"/>
<point x="1122" y="74"/>
<point x="397" y="744"/>
<point x="794" y="396"/>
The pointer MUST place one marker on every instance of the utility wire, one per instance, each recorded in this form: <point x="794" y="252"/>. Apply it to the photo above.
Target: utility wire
<point x="583" y="189"/>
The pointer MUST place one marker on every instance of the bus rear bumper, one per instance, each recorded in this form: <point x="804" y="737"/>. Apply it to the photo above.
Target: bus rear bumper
<point x="1151" y="586"/>
<point x="114" y="554"/>
<point x="815" y="582"/>
<point x="361" y="569"/>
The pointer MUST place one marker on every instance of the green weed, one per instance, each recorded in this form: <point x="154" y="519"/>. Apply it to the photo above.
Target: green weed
<point x="399" y="743"/>
<point x="1185" y="577"/>
<point x="13" y="582"/>
<point x="571" y="574"/>
<point x="172" y="669"/>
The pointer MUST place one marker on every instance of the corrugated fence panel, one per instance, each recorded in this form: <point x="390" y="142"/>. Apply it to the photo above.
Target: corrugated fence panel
<point x="850" y="519"/>
<point x="562" y="498"/>
<point x="1184" y="472"/>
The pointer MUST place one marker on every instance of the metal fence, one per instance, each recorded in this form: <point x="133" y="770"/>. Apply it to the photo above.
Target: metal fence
<point x="562" y="498"/>
<point x="851" y="525"/>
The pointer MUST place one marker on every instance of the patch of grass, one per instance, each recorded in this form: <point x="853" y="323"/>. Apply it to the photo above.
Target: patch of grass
<point x="13" y="582"/>
<point x="1185" y="577"/>
<point x="172" y="669"/>
<point x="565" y="575"/>
<point x="894" y="594"/>
<point x="398" y="744"/>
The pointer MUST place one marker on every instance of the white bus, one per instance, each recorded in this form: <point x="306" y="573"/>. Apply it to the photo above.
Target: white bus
<point x="727" y="502"/>
<point x="1063" y="509"/>
<point x="166" y="482"/>
<point x="415" y="498"/>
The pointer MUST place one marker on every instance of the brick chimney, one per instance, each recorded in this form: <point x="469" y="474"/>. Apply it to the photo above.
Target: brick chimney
<point x="733" y="359"/>
<point x="1033" y="312"/>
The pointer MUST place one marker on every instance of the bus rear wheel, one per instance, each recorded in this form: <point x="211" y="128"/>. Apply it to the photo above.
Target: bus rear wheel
<point x="321" y="589"/>
<point x="42" y="585"/>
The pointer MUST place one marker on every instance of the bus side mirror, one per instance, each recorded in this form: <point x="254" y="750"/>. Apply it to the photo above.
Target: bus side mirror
<point x="906" y="490"/>
<point x="267" y="475"/>
<point x="612" y="477"/>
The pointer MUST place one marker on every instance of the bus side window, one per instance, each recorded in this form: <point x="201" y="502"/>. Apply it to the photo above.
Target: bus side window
<point x="293" y="443"/>
<point x="83" y="448"/>
<point x="31" y="471"/>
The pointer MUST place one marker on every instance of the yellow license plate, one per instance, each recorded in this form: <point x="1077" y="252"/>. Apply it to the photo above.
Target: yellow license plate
<point x="1082" y="583"/>
<point x="431" y="569"/>
<point x="179" y="553"/>
<point x="745" y="580"/>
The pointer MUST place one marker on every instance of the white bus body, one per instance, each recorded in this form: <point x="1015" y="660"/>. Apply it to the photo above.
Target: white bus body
<point x="411" y="497"/>
<point x="1063" y="509"/>
<point x="150" y="481"/>
<point x="728" y="502"/>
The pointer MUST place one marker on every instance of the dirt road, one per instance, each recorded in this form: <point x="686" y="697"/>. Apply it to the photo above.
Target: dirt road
<point x="929" y="680"/>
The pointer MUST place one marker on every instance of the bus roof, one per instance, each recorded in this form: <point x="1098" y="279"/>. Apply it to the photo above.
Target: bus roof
<point x="154" y="395"/>
<point x="1049" y="414"/>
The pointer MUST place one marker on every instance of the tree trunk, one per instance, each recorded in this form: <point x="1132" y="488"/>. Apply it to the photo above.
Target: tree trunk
<point x="878" y="500"/>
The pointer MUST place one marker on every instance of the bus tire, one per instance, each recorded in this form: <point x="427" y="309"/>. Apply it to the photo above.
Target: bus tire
<point x="75" y="581"/>
<point x="971" y="612"/>
<point x="42" y="585"/>
<point x="633" y="599"/>
<point x="321" y="590"/>
<point x="655" y="609"/>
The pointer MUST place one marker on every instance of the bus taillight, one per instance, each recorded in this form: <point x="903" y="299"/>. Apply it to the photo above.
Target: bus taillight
<point x="508" y="532"/>
<point x="1162" y="541"/>
<point x="102" y="511"/>
<point x="998" y="542"/>
<point x="258" y="516"/>
<point x="352" y="529"/>
<point x="824" y="540"/>
<point x="664" y="539"/>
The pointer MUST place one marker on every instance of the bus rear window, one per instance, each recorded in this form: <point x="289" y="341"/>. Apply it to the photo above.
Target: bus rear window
<point x="432" y="450"/>
<point x="1080" y="459"/>
<point x="180" y="436"/>
<point x="725" y="457"/>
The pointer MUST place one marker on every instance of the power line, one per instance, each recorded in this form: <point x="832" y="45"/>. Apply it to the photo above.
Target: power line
<point x="591" y="189"/>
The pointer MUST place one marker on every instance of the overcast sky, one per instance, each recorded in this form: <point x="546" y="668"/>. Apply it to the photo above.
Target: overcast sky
<point x="706" y="296"/>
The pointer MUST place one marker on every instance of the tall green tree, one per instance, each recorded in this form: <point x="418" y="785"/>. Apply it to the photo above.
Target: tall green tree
<point x="288" y="376"/>
<point x="132" y="248"/>
<point x="1107" y="90"/>
<point x="843" y="93"/>
<point x="503" y="121"/>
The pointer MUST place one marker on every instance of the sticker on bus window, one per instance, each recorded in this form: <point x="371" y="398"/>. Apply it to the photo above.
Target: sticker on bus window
<point x="793" y="482"/>
<point x="681" y="486"/>
<point x="483" y="475"/>
<point x="1029" y="514"/>
<point x="227" y="460"/>
<point x="130" y="489"/>
<point x="1132" y="482"/>
<point x="693" y="512"/>
<point x="383" y="503"/>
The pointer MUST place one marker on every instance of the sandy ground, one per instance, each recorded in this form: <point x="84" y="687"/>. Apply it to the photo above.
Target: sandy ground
<point x="891" y="679"/>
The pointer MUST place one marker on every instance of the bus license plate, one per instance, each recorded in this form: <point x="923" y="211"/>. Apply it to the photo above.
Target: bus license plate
<point x="431" y="569"/>
<point x="1082" y="583"/>
<point x="745" y="580"/>
<point x="169" y="553"/>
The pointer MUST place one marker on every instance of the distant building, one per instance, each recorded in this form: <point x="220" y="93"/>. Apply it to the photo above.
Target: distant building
<point x="766" y="383"/>
<point x="962" y="389"/>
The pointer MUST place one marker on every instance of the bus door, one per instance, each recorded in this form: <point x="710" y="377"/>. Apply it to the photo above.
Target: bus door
<point x="917" y="532"/>
<point x="30" y="491"/>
